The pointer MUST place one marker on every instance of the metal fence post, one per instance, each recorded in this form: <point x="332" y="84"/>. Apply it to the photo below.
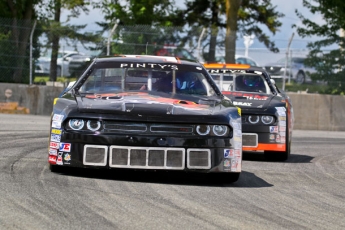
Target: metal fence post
<point x="31" y="38"/>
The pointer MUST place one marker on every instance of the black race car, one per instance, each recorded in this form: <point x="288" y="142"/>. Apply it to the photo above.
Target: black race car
<point x="267" y="113"/>
<point x="146" y="113"/>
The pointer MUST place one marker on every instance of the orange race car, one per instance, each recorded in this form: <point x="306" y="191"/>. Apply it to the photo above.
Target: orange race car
<point x="267" y="113"/>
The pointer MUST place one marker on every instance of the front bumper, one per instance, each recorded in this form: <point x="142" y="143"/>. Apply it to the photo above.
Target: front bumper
<point x="146" y="152"/>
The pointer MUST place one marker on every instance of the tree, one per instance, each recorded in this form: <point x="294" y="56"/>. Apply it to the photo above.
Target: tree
<point x="20" y="14"/>
<point x="326" y="54"/>
<point x="56" y="30"/>
<point x="236" y="16"/>
<point x="140" y="22"/>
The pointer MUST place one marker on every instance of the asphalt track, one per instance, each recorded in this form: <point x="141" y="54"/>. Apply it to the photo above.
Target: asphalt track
<point x="305" y="192"/>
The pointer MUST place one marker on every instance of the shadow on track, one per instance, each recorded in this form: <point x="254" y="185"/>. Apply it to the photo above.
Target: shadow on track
<point x="246" y="179"/>
<point x="294" y="158"/>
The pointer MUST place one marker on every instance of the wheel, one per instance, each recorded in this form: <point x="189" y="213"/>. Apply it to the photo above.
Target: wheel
<point x="300" y="78"/>
<point x="55" y="168"/>
<point x="225" y="178"/>
<point x="278" y="155"/>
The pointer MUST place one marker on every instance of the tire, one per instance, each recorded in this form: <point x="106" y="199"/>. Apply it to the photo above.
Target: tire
<point x="300" y="78"/>
<point x="55" y="168"/>
<point x="278" y="155"/>
<point x="225" y="178"/>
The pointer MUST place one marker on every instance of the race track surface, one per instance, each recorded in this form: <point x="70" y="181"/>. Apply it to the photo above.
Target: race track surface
<point x="305" y="192"/>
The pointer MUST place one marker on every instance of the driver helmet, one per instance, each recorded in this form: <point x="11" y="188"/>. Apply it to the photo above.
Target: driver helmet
<point x="251" y="80"/>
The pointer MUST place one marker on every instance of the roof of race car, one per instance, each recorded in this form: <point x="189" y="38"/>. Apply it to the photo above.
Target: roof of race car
<point x="148" y="58"/>
<point x="232" y="66"/>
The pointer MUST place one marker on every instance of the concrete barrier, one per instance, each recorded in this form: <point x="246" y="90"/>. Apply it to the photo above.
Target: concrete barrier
<point x="312" y="111"/>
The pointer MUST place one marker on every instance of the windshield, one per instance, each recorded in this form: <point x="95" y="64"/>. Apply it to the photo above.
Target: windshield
<point x="247" y="82"/>
<point x="114" y="80"/>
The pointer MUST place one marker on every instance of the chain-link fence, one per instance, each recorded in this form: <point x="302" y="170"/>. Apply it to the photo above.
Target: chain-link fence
<point x="191" y="43"/>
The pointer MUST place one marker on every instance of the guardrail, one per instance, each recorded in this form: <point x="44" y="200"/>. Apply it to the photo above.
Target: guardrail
<point x="311" y="111"/>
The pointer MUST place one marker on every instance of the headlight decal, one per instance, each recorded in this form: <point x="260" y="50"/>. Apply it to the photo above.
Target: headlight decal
<point x="203" y="130"/>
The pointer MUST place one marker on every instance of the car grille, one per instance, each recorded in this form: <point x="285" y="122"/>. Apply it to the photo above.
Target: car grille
<point x="149" y="128"/>
<point x="249" y="140"/>
<point x="147" y="157"/>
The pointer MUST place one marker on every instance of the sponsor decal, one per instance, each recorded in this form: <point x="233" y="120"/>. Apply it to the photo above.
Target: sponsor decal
<point x="239" y="111"/>
<point x="278" y="138"/>
<point x="57" y="131"/>
<point x="52" y="160"/>
<point x="56" y="124"/>
<point x="58" y="117"/>
<point x="283" y="140"/>
<point x="282" y="123"/>
<point x="272" y="137"/>
<point x="227" y="165"/>
<point x="282" y="128"/>
<point x="282" y="134"/>
<point x="238" y="153"/>
<point x="149" y="65"/>
<point x="237" y="145"/>
<point x="53" y="152"/>
<point x="282" y="118"/>
<point x="228" y="153"/>
<point x="59" y="159"/>
<point x="226" y="71"/>
<point x="65" y="147"/>
<point x="248" y="96"/>
<point x="234" y="164"/>
<point x="55" y="138"/>
<point x="54" y="145"/>
<point x="273" y="129"/>
<point x="242" y="103"/>
<point x="67" y="158"/>
<point x="237" y="133"/>
<point x="281" y="111"/>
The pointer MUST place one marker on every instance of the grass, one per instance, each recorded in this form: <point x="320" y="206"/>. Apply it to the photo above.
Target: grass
<point x="44" y="79"/>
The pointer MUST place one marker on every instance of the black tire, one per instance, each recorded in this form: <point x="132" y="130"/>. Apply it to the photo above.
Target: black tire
<point x="278" y="156"/>
<point x="300" y="78"/>
<point x="225" y="178"/>
<point x="55" y="168"/>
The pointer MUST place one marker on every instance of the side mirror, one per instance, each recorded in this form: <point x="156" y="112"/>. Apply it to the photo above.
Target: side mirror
<point x="273" y="81"/>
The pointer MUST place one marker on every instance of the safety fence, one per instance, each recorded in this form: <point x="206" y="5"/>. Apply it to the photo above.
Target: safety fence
<point x="24" y="43"/>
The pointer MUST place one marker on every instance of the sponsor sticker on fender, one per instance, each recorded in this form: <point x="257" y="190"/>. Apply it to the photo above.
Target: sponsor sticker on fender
<point x="57" y="131"/>
<point x="53" y="152"/>
<point x="273" y="129"/>
<point x="55" y="138"/>
<point x="59" y="159"/>
<point x="52" y="160"/>
<point x="56" y="124"/>
<point x="54" y="145"/>
<point x="65" y="147"/>
<point x="58" y="117"/>
<point x="228" y="153"/>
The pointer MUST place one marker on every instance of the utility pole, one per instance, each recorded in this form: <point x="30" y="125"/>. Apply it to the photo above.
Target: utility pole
<point x="286" y="61"/>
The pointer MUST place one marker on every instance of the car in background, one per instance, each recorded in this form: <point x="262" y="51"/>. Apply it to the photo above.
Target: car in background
<point x="267" y="113"/>
<point x="78" y="64"/>
<point x="42" y="64"/>
<point x="174" y="51"/>
<point x="296" y="70"/>
<point x="140" y="112"/>
<point x="239" y="60"/>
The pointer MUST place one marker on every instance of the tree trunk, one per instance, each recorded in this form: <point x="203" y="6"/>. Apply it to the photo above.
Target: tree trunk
<point x="232" y="7"/>
<point x="21" y="35"/>
<point x="55" y="42"/>
<point x="214" y="32"/>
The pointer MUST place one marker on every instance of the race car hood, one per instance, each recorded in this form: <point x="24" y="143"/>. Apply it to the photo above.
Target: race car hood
<point x="147" y="104"/>
<point x="249" y="100"/>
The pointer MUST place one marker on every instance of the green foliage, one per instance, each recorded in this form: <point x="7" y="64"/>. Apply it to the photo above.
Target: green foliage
<point x="328" y="61"/>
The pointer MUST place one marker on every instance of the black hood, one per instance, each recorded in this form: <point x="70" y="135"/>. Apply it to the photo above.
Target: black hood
<point x="250" y="100"/>
<point x="147" y="104"/>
